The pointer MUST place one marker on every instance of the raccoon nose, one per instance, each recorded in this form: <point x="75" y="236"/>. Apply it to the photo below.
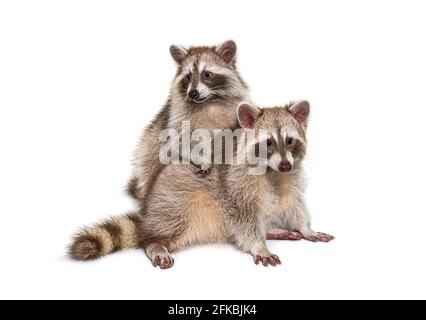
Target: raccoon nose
<point x="284" y="166"/>
<point x="194" y="94"/>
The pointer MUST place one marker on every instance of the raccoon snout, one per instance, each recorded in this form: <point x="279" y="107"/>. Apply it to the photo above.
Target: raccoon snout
<point x="194" y="94"/>
<point x="284" y="166"/>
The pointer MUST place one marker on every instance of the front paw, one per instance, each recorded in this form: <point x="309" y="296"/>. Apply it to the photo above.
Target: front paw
<point x="203" y="170"/>
<point x="318" y="237"/>
<point x="266" y="259"/>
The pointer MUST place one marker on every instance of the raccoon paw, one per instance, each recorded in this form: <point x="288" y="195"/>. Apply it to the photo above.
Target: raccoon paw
<point x="203" y="173"/>
<point x="164" y="261"/>
<point x="202" y="170"/>
<point x="319" y="237"/>
<point x="280" y="234"/>
<point x="266" y="260"/>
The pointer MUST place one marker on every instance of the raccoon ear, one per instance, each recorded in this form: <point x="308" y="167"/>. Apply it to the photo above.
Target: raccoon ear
<point x="247" y="114"/>
<point x="300" y="111"/>
<point x="227" y="51"/>
<point x="178" y="53"/>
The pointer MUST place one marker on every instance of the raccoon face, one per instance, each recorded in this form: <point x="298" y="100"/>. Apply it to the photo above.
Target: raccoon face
<point x="285" y="143"/>
<point x="207" y="74"/>
<point x="285" y="149"/>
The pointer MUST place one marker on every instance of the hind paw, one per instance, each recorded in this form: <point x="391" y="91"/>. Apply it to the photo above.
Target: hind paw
<point x="319" y="237"/>
<point x="280" y="234"/>
<point x="159" y="256"/>
<point x="163" y="261"/>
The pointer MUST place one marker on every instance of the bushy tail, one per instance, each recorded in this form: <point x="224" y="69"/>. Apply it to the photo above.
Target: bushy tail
<point x="106" y="237"/>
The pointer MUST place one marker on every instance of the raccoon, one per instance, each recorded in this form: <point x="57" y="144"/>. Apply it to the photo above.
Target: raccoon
<point x="229" y="205"/>
<point x="206" y="89"/>
<point x="270" y="206"/>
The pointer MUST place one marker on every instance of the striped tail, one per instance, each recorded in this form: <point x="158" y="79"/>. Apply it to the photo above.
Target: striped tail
<point x="109" y="236"/>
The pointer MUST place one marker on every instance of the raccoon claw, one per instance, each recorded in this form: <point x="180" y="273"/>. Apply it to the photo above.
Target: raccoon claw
<point x="163" y="262"/>
<point x="202" y="170"/>
<point x="284" y="235"/>
<point x="203" y="173"/>
<point x="319" y="237"/>
<point x="272" y="260"/>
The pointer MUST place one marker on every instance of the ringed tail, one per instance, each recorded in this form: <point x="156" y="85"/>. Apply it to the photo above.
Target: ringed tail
<point x="111" y="235"/>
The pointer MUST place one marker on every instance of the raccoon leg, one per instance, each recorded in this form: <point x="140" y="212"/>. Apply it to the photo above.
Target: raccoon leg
<point x="299" y="220"/>
<point x="281" y="234"/>
<point x="159" y="256"/>
<point x="256" y="246"/>
<point x="246" y="235"/>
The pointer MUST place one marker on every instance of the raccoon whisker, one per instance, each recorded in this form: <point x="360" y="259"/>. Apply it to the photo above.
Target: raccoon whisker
<point x="228" y="94"/>
<point x="218" y="87"/>
<point x="216" y="95"/>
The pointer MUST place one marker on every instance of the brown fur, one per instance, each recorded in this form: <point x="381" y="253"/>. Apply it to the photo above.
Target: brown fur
<point x="85" y="247"/>
<point x="205" y="223"/>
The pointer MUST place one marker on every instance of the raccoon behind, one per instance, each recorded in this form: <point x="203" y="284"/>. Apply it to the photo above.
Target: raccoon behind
<point x="206" y="90"/>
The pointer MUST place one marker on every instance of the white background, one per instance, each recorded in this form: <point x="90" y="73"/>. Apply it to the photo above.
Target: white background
<point x="79" y="80"/>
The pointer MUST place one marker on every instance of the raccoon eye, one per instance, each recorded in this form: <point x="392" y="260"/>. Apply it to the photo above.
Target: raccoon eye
<point x="290" y="140"/>
<point x="207" y="74"/>
<point x="189" y="76"/>
<point x="269" y="143"/>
